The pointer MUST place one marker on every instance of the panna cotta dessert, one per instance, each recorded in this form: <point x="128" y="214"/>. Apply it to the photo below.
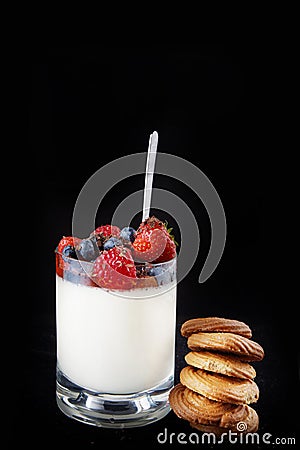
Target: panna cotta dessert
<point x="112" y="343"/>
<point x="116" y="312"/>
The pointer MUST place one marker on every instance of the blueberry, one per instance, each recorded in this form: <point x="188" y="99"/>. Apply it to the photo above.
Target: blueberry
<point x="69" y="252"/>
<point x="111" y="243"/>
<point x="162" y="276"/>
<point x="128" y="234"/>
<point x="88" y="249"/>
<point x="155" y="271"/>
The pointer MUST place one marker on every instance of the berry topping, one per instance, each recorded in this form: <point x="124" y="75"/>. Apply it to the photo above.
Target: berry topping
<point x="148" y="246"/>
<point x="67" y="241"/>
<point x="69" y="252"/>
<point x="111" y="243"/>
<point x="168" y="253"/>
<point x="162" y="275"/>
<point x="88" y="249"/>
<point x="128" y="234"/>
<point x="115" y="269"/>
<point x="155" y="271"/>
<point x="65" y="250"/>
<point x="153" y="242"/>
<point x="109" y="256"/>
<point x="108" y="230"/>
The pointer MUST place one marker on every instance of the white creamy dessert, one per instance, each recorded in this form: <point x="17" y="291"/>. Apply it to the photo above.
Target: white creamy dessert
<point x="112" y="343"/>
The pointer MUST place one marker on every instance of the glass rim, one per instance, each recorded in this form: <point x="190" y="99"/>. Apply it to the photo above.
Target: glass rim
<point x="140" y="263"/>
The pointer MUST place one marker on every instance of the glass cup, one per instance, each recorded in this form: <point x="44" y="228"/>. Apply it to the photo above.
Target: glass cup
<point x="115" y="349"/>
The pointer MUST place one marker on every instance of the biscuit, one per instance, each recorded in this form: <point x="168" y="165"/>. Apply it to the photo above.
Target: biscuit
<point x="248" y="423"/>
<point x="220" y="363"/>
<point x="200" y="411"/>
<point x="215" y="324"/>
<point x="245" y="348"/>
<point x="245" y="419"/>
<point x="195" y="408"/>
<point x="219" y="387"/>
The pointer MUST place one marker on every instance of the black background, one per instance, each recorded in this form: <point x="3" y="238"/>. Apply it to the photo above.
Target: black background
<point x="209" y="103"/>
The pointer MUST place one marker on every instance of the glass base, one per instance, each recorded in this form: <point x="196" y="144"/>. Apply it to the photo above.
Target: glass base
<point x="113" y="410"/>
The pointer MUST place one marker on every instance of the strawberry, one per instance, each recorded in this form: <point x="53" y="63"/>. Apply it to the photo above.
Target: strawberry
<point x="168" y="253"/>
<point x="149" y="245"/>
<point x="115" y="269"/>
<point x="59" y="265"/>
<point x="153" y="242"/>
<point x="66" y="247"/>
<point x="67" y="240"/>
<point x="107" y="230"/>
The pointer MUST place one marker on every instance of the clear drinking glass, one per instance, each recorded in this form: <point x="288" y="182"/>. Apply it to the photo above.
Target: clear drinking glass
<point x="115" y="349"/>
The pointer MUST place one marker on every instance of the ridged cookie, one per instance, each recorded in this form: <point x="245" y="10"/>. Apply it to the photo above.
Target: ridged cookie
<point x="245" y="348"/>
<point x="199" y="410"/>
<point x="220" y="363"/>
<point x="215" y="324"/>
<point x="195" y="408"/>
<point x="247" y="423"/>
<point x="219" y="387"/>
<point x="244" y="415"/>
<point x="218" y="431"/>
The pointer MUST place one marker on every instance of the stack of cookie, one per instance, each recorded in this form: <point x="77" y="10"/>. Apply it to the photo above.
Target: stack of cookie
<point x="217" y="386"/>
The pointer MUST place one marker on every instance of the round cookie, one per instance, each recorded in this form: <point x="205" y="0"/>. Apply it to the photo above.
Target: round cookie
<point x="215" y="324"/>
<point x="245" y="348"/>
<point x="186" y="405"/>
<point x="219" y="387"/>
<point x="220" y="363"/>
<point x="200" y="411"/>
<point x="248" y="425"/>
